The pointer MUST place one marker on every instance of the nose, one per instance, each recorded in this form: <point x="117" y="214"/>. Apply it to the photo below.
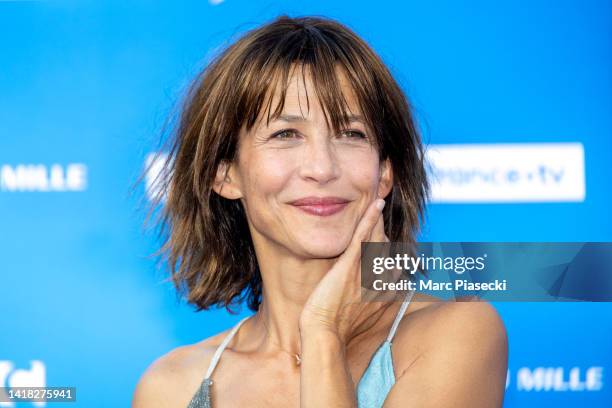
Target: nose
<point x="319" y="162"/>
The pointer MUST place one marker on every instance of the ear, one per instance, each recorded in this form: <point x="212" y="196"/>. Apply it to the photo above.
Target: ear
<point x="385" y="183"/>
<point x="226" y="181"/>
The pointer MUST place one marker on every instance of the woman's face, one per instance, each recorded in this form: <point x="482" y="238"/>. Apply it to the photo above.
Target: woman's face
<point x="296" y="157"/>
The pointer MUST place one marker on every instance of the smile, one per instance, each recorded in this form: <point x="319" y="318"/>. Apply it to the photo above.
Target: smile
<point x="322" y="210"/>
<point x="320" y="206"/>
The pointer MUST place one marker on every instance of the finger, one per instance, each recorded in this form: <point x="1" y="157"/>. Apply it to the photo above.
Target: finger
<point x="364" y="228"/>
<point x="378" y="232"/>
<point x="378" y="235"/>
<point x="371" y="219"/>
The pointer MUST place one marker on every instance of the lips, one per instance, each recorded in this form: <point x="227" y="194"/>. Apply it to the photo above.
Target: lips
<point x="321" y="206"/>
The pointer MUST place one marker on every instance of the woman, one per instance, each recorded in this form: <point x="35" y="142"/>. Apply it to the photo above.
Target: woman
<point x="289" y="145"/>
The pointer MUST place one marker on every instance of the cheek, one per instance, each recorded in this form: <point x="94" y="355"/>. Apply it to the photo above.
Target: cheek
<point x="266" y="177"/>
<point x="362" y="169"/>
<point x="267" y="174"/>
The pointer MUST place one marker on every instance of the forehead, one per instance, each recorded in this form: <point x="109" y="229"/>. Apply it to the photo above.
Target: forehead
<point x="302" y="97"/>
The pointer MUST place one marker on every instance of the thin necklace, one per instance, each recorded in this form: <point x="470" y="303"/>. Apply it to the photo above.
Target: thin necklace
<point x="298" y="358"/>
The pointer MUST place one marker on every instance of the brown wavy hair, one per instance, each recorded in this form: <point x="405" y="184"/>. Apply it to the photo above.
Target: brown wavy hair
<point x="206" y="240"/>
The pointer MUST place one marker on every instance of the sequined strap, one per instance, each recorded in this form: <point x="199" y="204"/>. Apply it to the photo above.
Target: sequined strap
<point x="202" y="399"/>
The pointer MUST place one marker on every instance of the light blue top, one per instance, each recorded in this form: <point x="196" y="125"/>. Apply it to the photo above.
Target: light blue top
<point x="373" y="387"/>
<point x="378" y="378"/>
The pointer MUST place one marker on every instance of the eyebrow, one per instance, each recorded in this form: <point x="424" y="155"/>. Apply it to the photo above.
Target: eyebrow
<point x="297" y="118"/>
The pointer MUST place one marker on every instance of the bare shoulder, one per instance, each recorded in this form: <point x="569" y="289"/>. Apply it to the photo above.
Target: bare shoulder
<point x="470" y="325"/>
<point x="475" y="321"/>
<point x="172" y="379"/>
<point x="450" y="348"/>
<point x="440" y="322"/>
<point x="470" y="316"/>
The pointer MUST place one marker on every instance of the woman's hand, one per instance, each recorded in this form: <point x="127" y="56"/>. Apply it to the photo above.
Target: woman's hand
<point x="335" y="303"/>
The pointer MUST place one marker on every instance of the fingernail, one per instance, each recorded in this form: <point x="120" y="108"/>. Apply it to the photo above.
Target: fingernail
<point x="380" y="204"/>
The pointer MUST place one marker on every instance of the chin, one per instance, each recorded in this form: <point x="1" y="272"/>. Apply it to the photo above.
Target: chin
<point x="325" y="248"/>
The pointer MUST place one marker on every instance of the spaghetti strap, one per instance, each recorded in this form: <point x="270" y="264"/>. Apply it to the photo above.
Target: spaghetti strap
<point x="222" y="346"/>
<point x="202" y="397"/>
<point x="399" y="316"/>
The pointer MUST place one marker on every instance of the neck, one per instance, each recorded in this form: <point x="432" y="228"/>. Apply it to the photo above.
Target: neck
<point x="283" y="300"/>
<point x="288" y="281"/>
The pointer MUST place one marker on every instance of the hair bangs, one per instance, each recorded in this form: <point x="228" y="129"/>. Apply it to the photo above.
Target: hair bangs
<point x="323" y="59"/>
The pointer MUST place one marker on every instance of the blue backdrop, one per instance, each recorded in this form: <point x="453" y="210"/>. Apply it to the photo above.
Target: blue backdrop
<point x="85" y="87"/>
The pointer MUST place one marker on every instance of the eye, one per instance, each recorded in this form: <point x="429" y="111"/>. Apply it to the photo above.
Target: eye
<point x="284" y="134"/>
<point x="355" y="134"/>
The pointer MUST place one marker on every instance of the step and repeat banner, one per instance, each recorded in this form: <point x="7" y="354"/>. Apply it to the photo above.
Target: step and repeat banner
<point x="514" y="100"/>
